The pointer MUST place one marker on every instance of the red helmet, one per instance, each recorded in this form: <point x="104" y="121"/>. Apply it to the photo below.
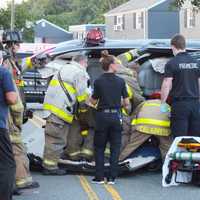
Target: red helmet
<point x="94" y="37"/>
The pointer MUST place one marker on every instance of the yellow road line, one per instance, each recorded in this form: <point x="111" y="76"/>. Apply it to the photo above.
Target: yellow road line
<point x="88" y="189"/>
<point x="115" y="195"/>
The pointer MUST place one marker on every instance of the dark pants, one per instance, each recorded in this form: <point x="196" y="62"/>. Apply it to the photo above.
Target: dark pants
<point x="108" y="129"/>
<point x="185" y="118"/>
<point x="7" y="166"/>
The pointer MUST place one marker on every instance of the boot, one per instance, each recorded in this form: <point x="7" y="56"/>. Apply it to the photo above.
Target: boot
<point x="31" y="185"/>
<point x="54" y="172"/>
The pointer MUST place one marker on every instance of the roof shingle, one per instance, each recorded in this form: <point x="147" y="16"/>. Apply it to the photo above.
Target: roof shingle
<point x="133" y="5"/>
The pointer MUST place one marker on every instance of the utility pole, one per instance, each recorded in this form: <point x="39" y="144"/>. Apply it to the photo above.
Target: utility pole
<point x="12" y="20"/>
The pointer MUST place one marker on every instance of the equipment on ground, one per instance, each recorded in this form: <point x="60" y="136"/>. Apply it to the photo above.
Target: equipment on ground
<point x="184" y="163"/>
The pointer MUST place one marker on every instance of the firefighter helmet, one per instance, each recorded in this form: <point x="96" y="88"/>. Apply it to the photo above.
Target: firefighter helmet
<point x="94" y="37"/>
<point x="11" y="36"/>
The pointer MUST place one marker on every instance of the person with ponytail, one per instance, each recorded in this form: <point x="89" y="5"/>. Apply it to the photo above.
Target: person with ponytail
<point x="109" y="95"/>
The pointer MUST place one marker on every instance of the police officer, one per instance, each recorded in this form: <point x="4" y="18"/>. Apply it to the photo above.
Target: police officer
<point x="182" y="79"/>
<point x="109" y="89"/>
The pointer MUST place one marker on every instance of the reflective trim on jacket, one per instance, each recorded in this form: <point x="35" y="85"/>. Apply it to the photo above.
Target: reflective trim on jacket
<point x="150" y="120"/>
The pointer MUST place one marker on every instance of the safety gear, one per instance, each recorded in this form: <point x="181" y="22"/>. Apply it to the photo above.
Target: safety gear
<point x="56" y="133"/>
<point x="27" y="185"/>
<point x="190" y="156"/>
<point x="11" y="36"/>
<point x="182" y="163"/>
<point x="74" y="80"/>
<point x="56" y="172"/>
<point x="130" y="77"/>
<point x="137" y="139"/>
<point x="74" y="142"/>
<point x="150" y="120"/>
<point x="129" y="56"/>
<point x="164" y="108"/>
<point x="94" y="37"/>
<point x="64" y="99"/>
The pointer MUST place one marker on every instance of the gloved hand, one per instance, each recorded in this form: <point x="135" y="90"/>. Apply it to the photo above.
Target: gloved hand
<point x="164" y="108"/>
<point x="84" y="127"/>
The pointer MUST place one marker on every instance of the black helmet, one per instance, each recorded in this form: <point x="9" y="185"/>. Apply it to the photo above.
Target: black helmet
<point x="11" y="36"/>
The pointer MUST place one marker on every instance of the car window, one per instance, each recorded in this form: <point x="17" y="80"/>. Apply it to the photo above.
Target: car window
<point x="94" y="66"/>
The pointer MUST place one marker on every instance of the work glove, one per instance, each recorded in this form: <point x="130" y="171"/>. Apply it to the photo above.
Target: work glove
<point x="84" y="127"/>
<point x="164" y="108"/>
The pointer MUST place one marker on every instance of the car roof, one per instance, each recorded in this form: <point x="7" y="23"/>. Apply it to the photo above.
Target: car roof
<point x="151" y="44"/>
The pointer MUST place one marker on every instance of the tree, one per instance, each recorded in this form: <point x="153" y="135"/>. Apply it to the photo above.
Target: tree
<point x="180" y="3"/>
<point x="63" y="12"/>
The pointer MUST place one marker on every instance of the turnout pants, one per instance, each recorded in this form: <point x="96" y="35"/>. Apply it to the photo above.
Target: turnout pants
<point x="23" y="176"/>
<point x="56" y="133"/>
<point x="185" y="118"/>
<point x="7" y="166"/>
<point x="137" y="139"/>
<point x="79" y="147"/>
<point x="74" y="141"/>
<point x="108" y="129"/>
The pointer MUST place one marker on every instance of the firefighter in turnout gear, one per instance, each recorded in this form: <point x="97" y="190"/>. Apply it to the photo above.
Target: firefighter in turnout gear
<point x="148" y="121"/>
<point x="80" y="138"/>
<point x="65" y="100"/>
<point x="130" y="77"/>
<point x="12" y="40"/>
<point x="80" y="146"/>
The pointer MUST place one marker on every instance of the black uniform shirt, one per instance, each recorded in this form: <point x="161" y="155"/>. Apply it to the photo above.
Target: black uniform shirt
<point x="108" y="90"/>
<point x="185" y="72"/>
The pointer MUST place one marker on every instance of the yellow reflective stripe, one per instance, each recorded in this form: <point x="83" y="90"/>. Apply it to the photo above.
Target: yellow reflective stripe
<point x="74" y="153"/>
<point x="68" y="87"/>
<point x="84" y="133"/>
<point x="29" y="63"/>
<point x="82" y="97"/>
<point x="156" y="122"/>
<point x="130" y="93"/>
<point x="152" y="104"/>
<point x="16" y="139"/>
<point x="154" y="131"/>
<point x="87" y="152"/>
<point x="128" y="56"/>
<point x="21" y="182"/>
<point x="58" y="112"/>
<point x="118" y="61"/>
<point x="83" y="110"/>
<point x="107" y="151"/>
<point x="50" y="162"/>
<point x="124" y="112"/>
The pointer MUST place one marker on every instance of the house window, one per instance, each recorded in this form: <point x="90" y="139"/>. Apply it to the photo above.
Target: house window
<point x="119" y="22"/>
<point x="138" y="20"/>
<point x="189" y="18"/>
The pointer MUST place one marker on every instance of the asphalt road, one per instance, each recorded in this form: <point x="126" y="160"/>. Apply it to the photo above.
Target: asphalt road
<point x="141" y="185"/>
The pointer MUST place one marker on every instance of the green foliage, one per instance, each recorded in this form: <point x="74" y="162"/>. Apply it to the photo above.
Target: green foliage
<point x="62" y="12"/>
<point x="179" y="3"/>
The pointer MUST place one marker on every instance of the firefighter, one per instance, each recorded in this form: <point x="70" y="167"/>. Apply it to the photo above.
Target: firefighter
<point x="12" y="40"/>
<point x="130" y="77"/>
<point x="81" y="146"/>
<point x="65" y="100"/>
<point x="80" y="138"/>
<point x="148" y="121"/>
